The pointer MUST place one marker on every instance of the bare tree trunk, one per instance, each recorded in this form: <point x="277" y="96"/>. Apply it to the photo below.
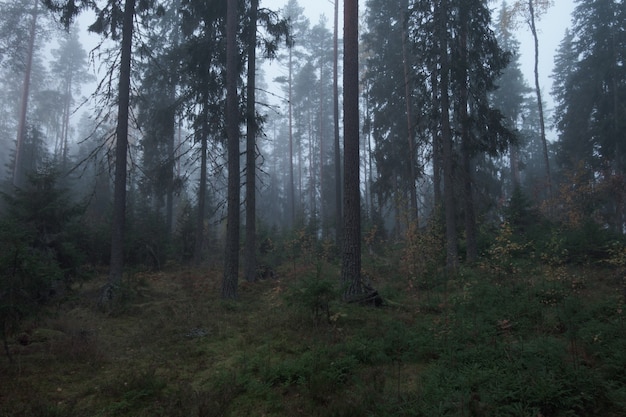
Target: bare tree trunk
<point x="18" y="170"/>
<point x="312" y="200"/>
<point x="199" y="243"/>
<point x="542" y="124"/>
<point x="370" y="163"/>
<point x="321" y="143"/>
<point x="169" y="198"/>
<point x="470" y="215"/>
<point x="366" y="175"/>
<point x="413" y="215"/>
<point x="514" y="162"/>
<point x="116" y="266"/>
<point x="300" y="192"/>
<point x="338" y="214"/>
<point x="250" y="248"/>
<point x="292" y="185"/>
<point x="436" y="150"/>
<point x="231" y="258"/>
<point x="352" y="284"/>
<point x="65" y="123"/>
<point x="169" y="202"/>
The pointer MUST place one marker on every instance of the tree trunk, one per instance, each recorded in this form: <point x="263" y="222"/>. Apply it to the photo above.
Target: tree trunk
<point x="617" y="161"/>
<point x="542" y="124"/>
<point x="231" y="258"/>
<point x="338" y="214"/>
<point x="121" y="149"/>
<point x="436" y="157"/>
<point x="514" y="162"/>
<point x="351" y="282"/>
<point x="199" y="244"/>
<point x="18" y="170"/>
<point x="468" y="198"/>
<point x="250" y="249"/>
<point x="320" y="225"/>
<point x="413" y="215"/>
<point x="169" y="198"/>
<point x="370" y="164"/>
<point x="452" y="261"/>
<point x="169" y="202"/>
<point x="63" y="138"/>
<point x="292" y="185"/>
<point x="312" y="199"/>
<point x="471" y="250"/>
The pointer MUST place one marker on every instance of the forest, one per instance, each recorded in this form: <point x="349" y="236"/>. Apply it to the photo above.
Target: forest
<point x="224" y="209"/>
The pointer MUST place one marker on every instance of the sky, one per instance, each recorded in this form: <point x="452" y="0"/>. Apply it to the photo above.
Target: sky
<point x="551" y="29"/>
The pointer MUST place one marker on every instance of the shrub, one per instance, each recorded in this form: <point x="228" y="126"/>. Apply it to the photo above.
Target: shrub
<point x="39" y="255"/>
<point x="313" y="296"/>
<point x="423" y="255"/>
<point x="29" y="277"/>
<point x="504" y="255"/>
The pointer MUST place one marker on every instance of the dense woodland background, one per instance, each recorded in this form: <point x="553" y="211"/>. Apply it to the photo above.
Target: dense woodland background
<point x="188" y="157"/>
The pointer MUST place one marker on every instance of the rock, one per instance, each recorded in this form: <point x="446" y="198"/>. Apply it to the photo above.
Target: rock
<point x="196" y="333"/>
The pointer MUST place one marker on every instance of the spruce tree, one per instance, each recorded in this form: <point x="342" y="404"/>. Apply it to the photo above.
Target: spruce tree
<point x="231" y="258"/>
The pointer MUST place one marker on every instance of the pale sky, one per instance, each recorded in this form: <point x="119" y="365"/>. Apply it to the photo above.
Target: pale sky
<point x="551" y="29"/>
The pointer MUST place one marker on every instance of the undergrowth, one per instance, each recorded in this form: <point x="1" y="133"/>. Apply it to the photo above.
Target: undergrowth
<point x="490" y="341"/>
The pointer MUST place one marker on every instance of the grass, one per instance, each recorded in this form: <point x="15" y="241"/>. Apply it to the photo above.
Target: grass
<point x="478" y="344"/>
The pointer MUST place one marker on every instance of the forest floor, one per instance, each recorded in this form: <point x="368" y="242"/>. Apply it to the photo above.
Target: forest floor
<point x="540" y="343"/>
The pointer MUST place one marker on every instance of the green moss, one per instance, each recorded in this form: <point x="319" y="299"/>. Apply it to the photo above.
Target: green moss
<point x="476" y="344"/>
